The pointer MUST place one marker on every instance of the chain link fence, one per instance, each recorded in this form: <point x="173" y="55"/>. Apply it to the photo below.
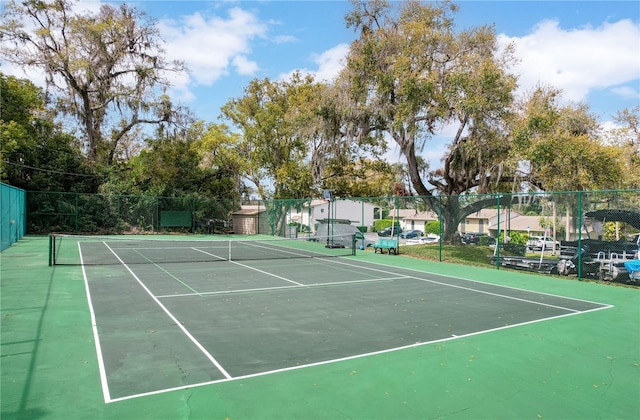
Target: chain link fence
<point x="110" y="214"/>
<point x="12" y="220"/>
<point x="589" y="234"/>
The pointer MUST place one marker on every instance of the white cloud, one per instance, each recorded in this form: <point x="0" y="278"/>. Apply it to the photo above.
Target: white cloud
<point x="83" y="6"/>
<point x="245" y="66"/>
<point x="578" y="60"/>
<point x="36" y="76"/>
<point x="627" y="92"/>
<point x="210" y="45"/>
<point x="284" y="39"/>
<point x="329" y="63"/>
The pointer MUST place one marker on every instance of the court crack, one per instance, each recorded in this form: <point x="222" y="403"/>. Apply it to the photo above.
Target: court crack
<point x="187" y="405"/>
<point x="611" y="377"/>
<point x="444" y="415"/>
<point x="471" y="407"/>
<point x="184" y="374"/>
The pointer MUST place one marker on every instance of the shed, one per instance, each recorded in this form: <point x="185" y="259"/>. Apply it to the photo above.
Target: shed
<point x="251" y="221"/>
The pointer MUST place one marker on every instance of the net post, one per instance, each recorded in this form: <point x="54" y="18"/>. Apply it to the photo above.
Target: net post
<point x="353" y="244"/>
<point x="50" y="250"/>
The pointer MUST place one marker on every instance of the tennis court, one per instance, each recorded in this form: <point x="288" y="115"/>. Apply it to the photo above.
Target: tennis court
<point x="282" y="332"/>
<point x="171" y="314"/>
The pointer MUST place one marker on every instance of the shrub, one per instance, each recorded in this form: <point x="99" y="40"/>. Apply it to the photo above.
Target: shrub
<point x="432" y="227"/>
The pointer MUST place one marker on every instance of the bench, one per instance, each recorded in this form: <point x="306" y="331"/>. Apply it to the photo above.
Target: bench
<point x="388" y="244"/>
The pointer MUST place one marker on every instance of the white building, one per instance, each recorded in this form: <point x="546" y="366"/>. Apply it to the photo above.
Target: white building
<point x="359" y="213"/>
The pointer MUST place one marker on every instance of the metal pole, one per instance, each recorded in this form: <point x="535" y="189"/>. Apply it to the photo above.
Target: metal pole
<point x="50" y="250"/>
<point x="498" y="239"/>
<point x="580" y="236"/>
<point x="440" y="228"/>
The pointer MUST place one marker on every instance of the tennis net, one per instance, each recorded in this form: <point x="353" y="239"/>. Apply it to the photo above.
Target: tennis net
<point x="104" y="250"/>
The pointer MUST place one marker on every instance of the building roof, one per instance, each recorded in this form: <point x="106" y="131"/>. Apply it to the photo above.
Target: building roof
<point x="320" y="202"/>
<point x="488" y="214"/>
<point x="520" y="222"/>
<point x="413" y="214"/>
<point x="249" y="211"/>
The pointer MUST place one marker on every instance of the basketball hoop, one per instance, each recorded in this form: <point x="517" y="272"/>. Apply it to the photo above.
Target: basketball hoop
<point x="327" y="195"/>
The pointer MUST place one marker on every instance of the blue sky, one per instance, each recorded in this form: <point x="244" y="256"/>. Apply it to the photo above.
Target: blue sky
<point x="589" y="49"/>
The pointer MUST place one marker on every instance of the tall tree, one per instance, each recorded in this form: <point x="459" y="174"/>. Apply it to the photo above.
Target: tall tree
<point x="107" y="67"/>
<point x="410" y="73"/>
<point x="360" y="178"/>
<point x="36" y="154"/>
<point x="627" y="136"/>
<point x="558" y="147"/>
<point x="200" y="161"/>
<point x="295" y="141"/>
<point x="274" y="153"/>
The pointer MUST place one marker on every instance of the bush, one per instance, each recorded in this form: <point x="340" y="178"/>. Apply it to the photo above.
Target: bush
<point x="378" y="225"/>
<point x="517" y="244"/>
<point x="432" y="227"/>
<point x="486" y="240"/>
<point x="515" y="249"/>
<point x="516" y="238"/>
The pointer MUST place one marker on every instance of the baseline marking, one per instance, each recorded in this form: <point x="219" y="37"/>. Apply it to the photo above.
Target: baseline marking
<point x="570" y="312"/>
<point x="341" y="359"/>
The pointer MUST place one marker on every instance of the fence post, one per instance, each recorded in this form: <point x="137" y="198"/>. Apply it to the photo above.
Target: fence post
<point x="50" y="250"/>
<point x="580" y="225"/>
<point x="440" y="227"/>
<point x="498" y="238"/>
<point x="76" y="215"/>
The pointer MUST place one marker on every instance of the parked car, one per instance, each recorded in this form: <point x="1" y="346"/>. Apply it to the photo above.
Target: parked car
<point x="477" y="239"/>
<point x="414" y="233"/>
<point x="538" y="242"/>
<point x="424" y="240"/>
<point x="471" y="238"/>
<point x="388" y="231"/>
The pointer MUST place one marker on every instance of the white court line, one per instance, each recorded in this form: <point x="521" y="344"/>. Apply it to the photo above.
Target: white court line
<point x="161" y="268"/>
<point x="267" y="273"/>
<point x="210" y="254"/>
<point x="269" y="289"/>
<point x="571" y="312"/>
<point x="606" y="306"/>
<point x="96" y="338"/>
<point x="337" y="261"/>
<point x="286" y="250"/>
<point x="174" y="319"/>
<point x="342" y="359"/>
<point x="258" y="270"/>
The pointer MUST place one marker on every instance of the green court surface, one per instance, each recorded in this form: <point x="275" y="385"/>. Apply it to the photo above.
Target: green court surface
<point x="366" y="337"/>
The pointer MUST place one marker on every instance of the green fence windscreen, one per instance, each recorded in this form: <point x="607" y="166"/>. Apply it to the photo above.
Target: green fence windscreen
<point x="13" y="215"/>
<point x="175" y="219"/>
<point x="70" y="212"/>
